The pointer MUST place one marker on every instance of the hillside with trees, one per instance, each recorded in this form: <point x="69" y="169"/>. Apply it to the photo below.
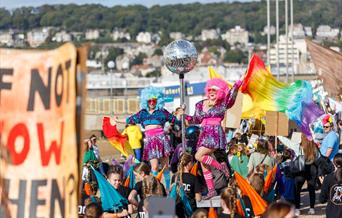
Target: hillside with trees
<point x="187" y="18"/>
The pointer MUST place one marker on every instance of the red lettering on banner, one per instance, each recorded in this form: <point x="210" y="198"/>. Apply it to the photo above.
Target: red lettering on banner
<point x="19" y="130"/>
<point x="45" y="154"/>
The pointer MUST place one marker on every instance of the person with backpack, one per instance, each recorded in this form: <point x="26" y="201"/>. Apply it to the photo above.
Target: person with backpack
<point x="309" y="174"/>
<point x="260" y="156"/>
<point x="331" y="191"/>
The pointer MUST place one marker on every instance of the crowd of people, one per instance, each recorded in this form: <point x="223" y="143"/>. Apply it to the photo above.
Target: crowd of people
<point x="210" y="166"/>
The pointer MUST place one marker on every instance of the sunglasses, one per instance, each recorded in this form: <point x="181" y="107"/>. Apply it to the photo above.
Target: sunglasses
<point x="326" y="127"/>
<point x="152" y="101"/>
<point x="212" y="90"/>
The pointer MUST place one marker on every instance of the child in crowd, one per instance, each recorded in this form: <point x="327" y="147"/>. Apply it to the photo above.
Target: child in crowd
<point x="239" y="161"/>
<point x="144" y="187"/>
<point x="228" y="203"/>
<point x="115" y="177"/>
<point x="280" y="210"/>
<point x="232" y="149"/>
<point x="93" y="210"/>
<point x="229" y="198"/>
<point x="200" y="213"/>
<point x="257" y="182"/>
<point x="190" y="182"/>
<point x="287" y="183"/>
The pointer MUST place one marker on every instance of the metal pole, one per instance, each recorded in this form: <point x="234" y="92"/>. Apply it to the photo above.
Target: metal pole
<point x="268" y="32"/>
<point x="182" y="97"/>
<point x="287" y="40"/>
<point x="277" y="37"/>
<point x="111" y="91"/>
<point x="292" y="42"/>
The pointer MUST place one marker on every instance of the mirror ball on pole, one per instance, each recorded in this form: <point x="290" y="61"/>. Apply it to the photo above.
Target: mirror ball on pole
<point x="180" y="57"/>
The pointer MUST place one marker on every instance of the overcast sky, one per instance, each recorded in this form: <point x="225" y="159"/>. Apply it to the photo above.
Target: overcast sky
<point x="10" y="4"/>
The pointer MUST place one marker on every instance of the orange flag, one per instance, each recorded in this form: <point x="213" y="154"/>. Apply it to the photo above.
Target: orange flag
<point x="115" y="138"/>
<point x="269" y="179"/>
<point x="160" y="174"/>
<point x="126" y="184"/>
<point x="194" y="169"/>
<point x="259" y="205"/>
<point x="212" y="213"/>
<point x="87" y="189"/>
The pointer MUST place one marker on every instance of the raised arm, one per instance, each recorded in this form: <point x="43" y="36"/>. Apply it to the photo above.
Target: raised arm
<point x="231" y="97"/>
<point x="134" y="119"/>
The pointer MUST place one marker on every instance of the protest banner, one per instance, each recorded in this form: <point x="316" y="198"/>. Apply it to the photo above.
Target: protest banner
<point x="277" y="124"/>
<point x="38" y="131"/>
<point x="232" y="117"/>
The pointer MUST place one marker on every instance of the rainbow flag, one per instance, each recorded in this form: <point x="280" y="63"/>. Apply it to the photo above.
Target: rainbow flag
<point x="248" y="109"/>
<point x="268" y="94"/>
<point x="115" y="138"/>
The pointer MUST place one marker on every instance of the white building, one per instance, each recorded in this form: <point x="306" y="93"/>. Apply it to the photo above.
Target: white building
<point x="38" y="36"/>
<point x="236" y="35"/>
<point x="308" y="31"/>
<point x="325" y="32"/>
<point x="298" y="31"/>
<point x="282" y="52"/>
<point x="147" y="49"/>
<point x="62" y="36"/>
<point x="6" y="38"/>
<point x="210" y="34"/>
<point x="122" y="62"/>
<point x="176" y="35"/>
<point x="155" y="38"/>
<point x="117" y="34"/>
<point x="92" y="34"/>
<point x="272" y="30"/>
<point x="144" y="37"/>
<point x="155" y="61"/>
<point x="77" y="35"/>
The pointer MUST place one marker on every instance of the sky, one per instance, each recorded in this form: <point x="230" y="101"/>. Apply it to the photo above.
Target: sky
<point x="10" y="4"/>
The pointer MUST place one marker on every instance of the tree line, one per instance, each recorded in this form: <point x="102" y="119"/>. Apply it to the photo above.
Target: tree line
<point x="187" y="18"/>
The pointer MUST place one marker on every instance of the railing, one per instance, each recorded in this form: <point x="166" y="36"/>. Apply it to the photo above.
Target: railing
<point x="109" y="105"/>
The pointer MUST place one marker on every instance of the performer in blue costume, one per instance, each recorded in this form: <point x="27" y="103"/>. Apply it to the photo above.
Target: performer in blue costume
<point x="152" y="117"/>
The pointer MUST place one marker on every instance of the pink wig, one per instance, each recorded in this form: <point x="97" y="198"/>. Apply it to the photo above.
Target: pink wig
<point x="220" y="85"/>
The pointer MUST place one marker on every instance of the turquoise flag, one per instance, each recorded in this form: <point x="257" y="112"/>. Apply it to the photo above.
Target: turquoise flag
<point x="110" y="198"/>
<point x="184" y="199"/>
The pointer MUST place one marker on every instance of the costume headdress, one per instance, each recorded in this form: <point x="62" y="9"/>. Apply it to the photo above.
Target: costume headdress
<point x="151" y="93"/>
<point x="220" y="85"/>
<point x="327" y="119"/>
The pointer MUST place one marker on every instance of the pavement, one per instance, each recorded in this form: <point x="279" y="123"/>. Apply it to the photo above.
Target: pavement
<point x="319" y="208"/>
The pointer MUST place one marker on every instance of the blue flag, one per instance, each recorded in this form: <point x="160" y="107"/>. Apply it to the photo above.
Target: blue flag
<point x="132" y="177"/>
<point x="184" y="199"/>
<point x="110" y="198"/>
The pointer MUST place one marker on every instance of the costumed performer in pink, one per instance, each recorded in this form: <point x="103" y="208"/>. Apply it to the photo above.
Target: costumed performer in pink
<point x="209" y="113"/>
<point x="152" y="117"/>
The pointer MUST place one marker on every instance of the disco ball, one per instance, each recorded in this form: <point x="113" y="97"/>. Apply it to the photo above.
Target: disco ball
<point x="180" y="56"/>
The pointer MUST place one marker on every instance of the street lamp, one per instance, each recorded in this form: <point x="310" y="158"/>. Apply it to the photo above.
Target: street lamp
<point x="111" y="65"/>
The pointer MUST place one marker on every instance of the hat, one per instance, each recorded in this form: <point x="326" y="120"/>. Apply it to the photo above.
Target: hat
<point x="327" y="119"/>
